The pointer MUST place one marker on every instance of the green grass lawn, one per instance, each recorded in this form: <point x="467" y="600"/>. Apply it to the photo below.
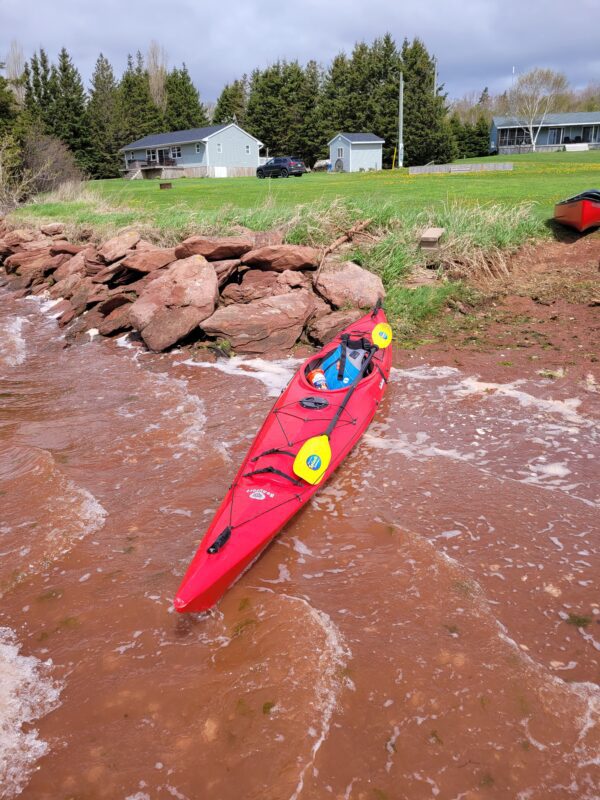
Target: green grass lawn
<point x="539" y="178"/>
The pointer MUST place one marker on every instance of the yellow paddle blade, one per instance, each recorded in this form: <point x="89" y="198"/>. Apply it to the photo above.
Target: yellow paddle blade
<point x="312" y="459"/>
<point x="381" y="335"/>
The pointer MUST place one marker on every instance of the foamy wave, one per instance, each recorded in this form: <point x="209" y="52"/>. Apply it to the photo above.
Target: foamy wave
<point x="13" y="349"/>
<point x="424" y="373"/>
<point x="332" y="659"/>
<point x="565" y="408"/>
<point x="190" y="410"/>
<point x="275" y="375"/>
<point x="333" y="656"/>
<point x="26" y="694"/>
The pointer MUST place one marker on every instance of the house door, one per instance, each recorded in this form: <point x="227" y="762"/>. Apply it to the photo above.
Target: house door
<point x="586" y="134"/>
<point x="164" y="154"/>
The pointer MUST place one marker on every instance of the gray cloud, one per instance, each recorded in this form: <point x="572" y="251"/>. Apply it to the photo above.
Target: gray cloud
<point x="477" y="42"/>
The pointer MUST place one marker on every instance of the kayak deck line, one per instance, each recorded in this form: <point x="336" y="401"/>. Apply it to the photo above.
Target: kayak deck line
<point x="272" y="493"/>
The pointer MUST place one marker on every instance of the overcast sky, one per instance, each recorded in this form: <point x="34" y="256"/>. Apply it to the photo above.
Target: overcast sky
<point x="476" y="42"/>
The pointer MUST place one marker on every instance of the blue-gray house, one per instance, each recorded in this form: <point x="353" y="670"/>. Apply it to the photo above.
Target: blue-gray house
<point x="509" y="135"/>
<point x="217" y="151"/>
<point x="356" y="152"/>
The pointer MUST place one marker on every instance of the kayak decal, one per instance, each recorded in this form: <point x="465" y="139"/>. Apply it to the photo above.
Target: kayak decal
<point x="259" y="494"/>
<point x="313" y="462"/>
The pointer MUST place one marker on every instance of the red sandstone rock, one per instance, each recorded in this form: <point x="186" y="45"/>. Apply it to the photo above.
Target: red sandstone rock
<point x="190" y="282"/>
<point x="117" y="320"/>
<point x="18" y="237"/>
<point x="273" y="323"/>
<point x="62" y="246"/>
<point x="257" y="284"/>
<point x="282" y="257"/>
<point x="73" y="266"/>
<point x="349" y="284"/>
<point x="118" y="246"/>
<point x="323" y="330"/>
<point x="169" y="325"/>
<point x="225" y="269"/>
<point x="53" y="228"/>
<point x="144" y="244"/>
<point x="148" y="260"/>
<point x="66" y="286"/>
<point x="213" y="248"/>
<point x="67" y="315"/>
<point x="35" y="266"/>
<point x="113" y="301"/>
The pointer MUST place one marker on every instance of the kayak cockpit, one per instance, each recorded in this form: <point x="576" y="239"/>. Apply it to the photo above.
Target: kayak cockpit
<point x="339" y="368"/>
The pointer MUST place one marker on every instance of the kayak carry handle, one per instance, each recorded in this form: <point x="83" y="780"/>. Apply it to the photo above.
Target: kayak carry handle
<point x="272" y="471"/>
<point x="219" y="541"/>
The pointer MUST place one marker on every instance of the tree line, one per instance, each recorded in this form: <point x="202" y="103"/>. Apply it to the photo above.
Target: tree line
<point x="292" y="108"/>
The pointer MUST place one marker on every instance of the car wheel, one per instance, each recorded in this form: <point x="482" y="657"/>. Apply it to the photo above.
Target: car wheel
<point x="260" y="174"/>
<point x="284" y="173"/>
<point x="297" y="175"/>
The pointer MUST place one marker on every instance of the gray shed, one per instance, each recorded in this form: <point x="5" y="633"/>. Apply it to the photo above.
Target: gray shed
<point x="356" y="152"/>
<point x="218" y="151"/>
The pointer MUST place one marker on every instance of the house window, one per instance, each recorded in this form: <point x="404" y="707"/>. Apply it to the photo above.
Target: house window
<point x="130" y="156"/>
<point x="219" y="147"/>
<point x="340" y="152"/>
<point x="247" y="149"/>
<point x="511" y="137"/>
<point x="198" y="147"/>
<point x="554" y="135"/>
<point x="150" y="155"/>
<point x="176" y="152"/>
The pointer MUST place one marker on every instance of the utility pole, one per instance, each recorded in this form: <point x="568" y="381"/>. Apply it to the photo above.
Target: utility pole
<point x="434" y="76"/>
<point x="401" y="121"/>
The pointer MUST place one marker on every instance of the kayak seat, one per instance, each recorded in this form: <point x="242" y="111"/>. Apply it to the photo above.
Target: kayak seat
<point x="342" y="365"/>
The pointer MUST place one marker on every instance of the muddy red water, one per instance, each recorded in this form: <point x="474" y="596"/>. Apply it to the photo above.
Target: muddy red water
<point x="427" y="627"/>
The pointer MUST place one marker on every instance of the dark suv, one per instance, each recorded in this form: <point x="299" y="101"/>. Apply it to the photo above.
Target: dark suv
<point x="281" y="167"/>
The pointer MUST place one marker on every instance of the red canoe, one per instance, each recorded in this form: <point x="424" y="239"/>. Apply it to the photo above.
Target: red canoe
<point x="581" y="212"/>
<point x="266" y="493"/>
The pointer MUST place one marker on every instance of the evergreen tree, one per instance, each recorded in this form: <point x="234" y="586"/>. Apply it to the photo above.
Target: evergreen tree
<point x="183" y="107"/>
<point x="484" y="98"/>
<point x="232" y="103"/>
<point x="266" y="112"/>
<point x="334" y="96"/>
<point x="283" y="110"/>
<point x="8" y="106"/>
<point x="39" y="88"/>
<point x="102" y="115"/>
<point x="360" y="93"/>
<point x="458" y="132"/>
<point x="427" y="133"/>
<point x="307" y="136"/>
<point x="137" y="115"/>
<point x="384" y="93"/>
<point x="69" y="121"/>
<point x="482" y="136"/>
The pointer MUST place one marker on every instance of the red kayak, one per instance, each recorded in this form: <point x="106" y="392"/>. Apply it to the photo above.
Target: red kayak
<point x="581" y="212"/>
<point x="268" y="490"/>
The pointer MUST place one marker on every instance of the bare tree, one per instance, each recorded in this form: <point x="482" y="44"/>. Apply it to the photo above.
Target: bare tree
<point x="15" y="67"/>
<point x="44" y="163"/>
<point x="156" y="64"/>
<point x="535" y="95"/>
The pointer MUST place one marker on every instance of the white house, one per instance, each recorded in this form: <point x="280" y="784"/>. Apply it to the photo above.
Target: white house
<point x="218" y="151"/>
<point x="356" y="152"/>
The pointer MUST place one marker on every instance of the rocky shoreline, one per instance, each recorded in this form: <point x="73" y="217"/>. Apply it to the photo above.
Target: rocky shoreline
<point x="251" y="291"/>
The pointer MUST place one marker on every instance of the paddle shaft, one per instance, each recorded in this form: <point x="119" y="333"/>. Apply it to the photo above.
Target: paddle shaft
<point x="350" y="392"/>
